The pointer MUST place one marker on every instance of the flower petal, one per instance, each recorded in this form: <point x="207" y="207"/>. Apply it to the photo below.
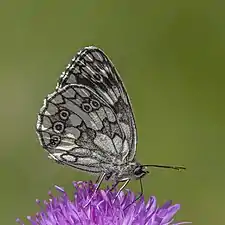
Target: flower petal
<point x="104" y="208"/>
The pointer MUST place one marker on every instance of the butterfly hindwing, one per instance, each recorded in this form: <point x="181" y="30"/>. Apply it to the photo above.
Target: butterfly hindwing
<point x="80" y="129"/>
<point x="92" y="68"/>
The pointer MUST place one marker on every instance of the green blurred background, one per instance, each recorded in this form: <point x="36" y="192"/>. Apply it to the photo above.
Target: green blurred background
<point x="171" y="56"/>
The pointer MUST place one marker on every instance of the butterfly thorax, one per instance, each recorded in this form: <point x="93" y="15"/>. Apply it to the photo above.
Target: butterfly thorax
<point x="129" y="170"/>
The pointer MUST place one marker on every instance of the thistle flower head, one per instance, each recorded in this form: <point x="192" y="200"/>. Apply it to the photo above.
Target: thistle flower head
<point x="104" y="209"/>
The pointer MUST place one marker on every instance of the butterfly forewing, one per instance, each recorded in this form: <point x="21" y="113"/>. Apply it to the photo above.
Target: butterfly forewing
<point x="92" y="68"/>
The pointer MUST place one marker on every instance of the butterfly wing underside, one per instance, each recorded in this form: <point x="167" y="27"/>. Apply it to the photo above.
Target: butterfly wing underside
<point x="92" y="68"/>
<point x="88" y="123"/>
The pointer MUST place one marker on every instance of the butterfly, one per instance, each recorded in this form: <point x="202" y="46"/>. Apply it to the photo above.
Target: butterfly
<point x="87" y="123"/>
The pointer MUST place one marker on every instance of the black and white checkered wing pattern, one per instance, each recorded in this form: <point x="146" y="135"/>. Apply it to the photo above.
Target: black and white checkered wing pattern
<point x="92" y="68"/>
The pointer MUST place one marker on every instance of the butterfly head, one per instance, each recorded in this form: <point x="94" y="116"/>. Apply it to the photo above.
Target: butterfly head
<point x="140" y="171"/>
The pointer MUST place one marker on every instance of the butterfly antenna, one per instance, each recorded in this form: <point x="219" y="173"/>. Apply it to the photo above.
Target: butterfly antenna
<point x="179" y="168"/>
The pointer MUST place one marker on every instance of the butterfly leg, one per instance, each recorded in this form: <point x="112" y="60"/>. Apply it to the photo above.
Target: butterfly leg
<point x="96" y="182"/>
<point x="138" y="197"/>
<point x="121" y="188"/>
<point x="114" y="186"/>
<point x="100" y="179"/>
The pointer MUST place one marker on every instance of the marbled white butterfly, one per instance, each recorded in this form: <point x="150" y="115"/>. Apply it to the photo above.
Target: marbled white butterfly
<point x="88" y="123"/>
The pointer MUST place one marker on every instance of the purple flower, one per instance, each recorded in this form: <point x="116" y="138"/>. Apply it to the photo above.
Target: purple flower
<point x="104" y="209"/>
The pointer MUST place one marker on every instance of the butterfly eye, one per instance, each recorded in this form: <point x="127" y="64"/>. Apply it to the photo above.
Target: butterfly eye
<point x="54" y="141"/>
<point x="95" y="104"/>
<point x="86" y="107"/>
<point x="64" y="114"/>
<point x="58" y="127"/>
<point x="139" y="172"/>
